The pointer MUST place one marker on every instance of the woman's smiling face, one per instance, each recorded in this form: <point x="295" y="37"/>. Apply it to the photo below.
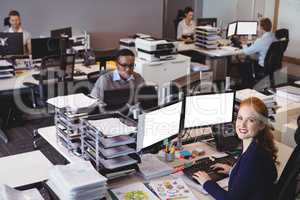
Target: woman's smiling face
<point x="248" y="123"/>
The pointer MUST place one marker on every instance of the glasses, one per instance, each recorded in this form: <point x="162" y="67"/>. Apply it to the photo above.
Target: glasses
<point x="126" y="65"/>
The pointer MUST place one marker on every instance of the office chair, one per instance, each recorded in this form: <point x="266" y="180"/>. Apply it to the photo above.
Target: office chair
<point x="273" y="60"/>
<point x="56" y="73"/>
<point x="6" y="22"/>
<point x="179" y="17"/>
<point x="287" y="183"/>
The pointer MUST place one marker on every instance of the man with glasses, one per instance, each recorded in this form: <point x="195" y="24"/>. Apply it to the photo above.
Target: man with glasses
<point x="121" y="78"/>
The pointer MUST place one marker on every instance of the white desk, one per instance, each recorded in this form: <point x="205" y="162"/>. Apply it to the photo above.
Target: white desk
<point x="220" y="52"/>
<point x="24" y="169"/>
<point x="16" y="83"/>
<point x="49" y="134"/>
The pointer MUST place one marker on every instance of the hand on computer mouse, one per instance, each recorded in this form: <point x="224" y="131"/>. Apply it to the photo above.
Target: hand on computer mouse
<point x="221" y="168"/>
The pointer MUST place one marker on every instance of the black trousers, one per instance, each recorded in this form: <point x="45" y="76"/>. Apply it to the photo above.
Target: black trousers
<point x="251" y="72"/>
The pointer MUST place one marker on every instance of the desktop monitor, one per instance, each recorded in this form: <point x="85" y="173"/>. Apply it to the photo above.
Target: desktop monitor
<point x="158" y="125"/>
<point x="62" y="33"/>
<point x="43" y="47"/>
<point x="246" y="28"/>
<point x="118" y="99"/>
<point x="231" y="29"/>
<point x="207" y="22"/>
<point x="11" y="44"/>
<point x="208" y="109"/>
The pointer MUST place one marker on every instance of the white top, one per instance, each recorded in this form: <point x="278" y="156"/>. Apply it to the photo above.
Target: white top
<point x="24" y="169"/>
<point x="261" y="47"/>
<point x="184" y="29"/>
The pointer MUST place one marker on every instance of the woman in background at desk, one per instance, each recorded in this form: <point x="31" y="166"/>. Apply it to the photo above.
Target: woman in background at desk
<point x="254" y="173"/>
<point x="186" y="27"/>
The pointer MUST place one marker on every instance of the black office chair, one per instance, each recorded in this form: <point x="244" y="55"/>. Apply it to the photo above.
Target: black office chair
<point x="273" y="60"/>
<point x="179" y="17"/>
<point x="6" y="22"/>
<point x="286" y="186"/>
<point x="55" y="77"/>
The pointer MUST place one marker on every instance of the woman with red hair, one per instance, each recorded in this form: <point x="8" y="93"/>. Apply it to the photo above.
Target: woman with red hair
<point x="254" y="174"/>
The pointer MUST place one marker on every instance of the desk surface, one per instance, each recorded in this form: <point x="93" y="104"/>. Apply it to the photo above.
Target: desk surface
<point x="49" y="134"/>
<point x="220" y="52"/>
<point x="24" y="169"/>
<point x="22" y="76"/>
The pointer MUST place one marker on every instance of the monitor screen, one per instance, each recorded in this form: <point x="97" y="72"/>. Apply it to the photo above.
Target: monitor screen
<point x="208" y="109"/>
<point x="246" y="28"/>
<point x="11" y="44"/>
<point x="43" y="47"/>
<point x="231" y="29"/>
<point x="158" y="125"/>
<point x="62" y="33"/>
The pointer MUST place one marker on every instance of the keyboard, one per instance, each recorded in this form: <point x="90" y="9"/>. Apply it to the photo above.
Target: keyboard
<point x="205" y="164"/>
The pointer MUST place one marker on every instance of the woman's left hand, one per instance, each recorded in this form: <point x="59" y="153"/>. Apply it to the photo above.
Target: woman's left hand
<point x="201" y="177"/>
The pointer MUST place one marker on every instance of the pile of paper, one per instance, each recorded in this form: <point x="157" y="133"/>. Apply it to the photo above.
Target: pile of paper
<point x="74" y="102"/>
<point x="151" y="167"/>
<point x="8" y="193"/>
<point x="289" y="92"/>
<point x="112" y="127"/>
<point x="77" y="181"/>
<point x="133" y="191"/>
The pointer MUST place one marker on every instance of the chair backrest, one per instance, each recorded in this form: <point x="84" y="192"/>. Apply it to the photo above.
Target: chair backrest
<point x="55" y="73"/>
<point x="287" y="183"/>
<point x="179" y="17"/>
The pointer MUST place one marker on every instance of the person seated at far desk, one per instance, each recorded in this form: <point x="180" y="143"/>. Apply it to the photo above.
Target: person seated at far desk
<point x="121" y="78"/>
<point x="259" y="47"/>
<point x="186" y="27"/>
<point x="254" y="174"/>
<point x="16" y="27"/>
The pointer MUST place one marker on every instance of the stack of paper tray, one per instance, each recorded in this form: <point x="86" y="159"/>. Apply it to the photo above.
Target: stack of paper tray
<point x="77" y="181"/>
<point x="207" y="37"/>
<point x="68" y="112"/>
<point x="109" y="142"/>
<point x="7" y="69"/>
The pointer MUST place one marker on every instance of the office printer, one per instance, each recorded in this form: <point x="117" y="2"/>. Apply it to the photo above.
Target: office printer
<point x="152" y="49"/>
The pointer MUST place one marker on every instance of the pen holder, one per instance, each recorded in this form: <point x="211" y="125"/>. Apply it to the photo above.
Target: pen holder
<point x="169" y="157"/>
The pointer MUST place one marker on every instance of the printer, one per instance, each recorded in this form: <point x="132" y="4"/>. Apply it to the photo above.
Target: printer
<point x="129" y="43"/>
<point x="152" y="49"/>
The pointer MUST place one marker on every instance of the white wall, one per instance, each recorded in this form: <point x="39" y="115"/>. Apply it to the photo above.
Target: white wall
<point x="106" y="20"/>
<point x="224" y="10"/>
<point x="269" y="9"/>
<point x="289" y="15"/>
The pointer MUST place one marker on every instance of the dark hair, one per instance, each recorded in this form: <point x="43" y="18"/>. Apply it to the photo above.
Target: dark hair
<point x="265" y="137"/>
<point x="124" y="52"/>
<point x="14" y="13"/>
<point x="187" y="10"/>
<point x="266" y="24"/>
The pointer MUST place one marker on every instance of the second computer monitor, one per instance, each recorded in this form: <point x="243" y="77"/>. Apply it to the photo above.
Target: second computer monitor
<point x="158" y="125"/>
<point x="208" y="109"/>
<point x="246" y="28"/>
<point x="43" y="47"/>
<point x="231" y="29"/>
<point x="11" y="44"/>
<point x="62" y="33"/>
